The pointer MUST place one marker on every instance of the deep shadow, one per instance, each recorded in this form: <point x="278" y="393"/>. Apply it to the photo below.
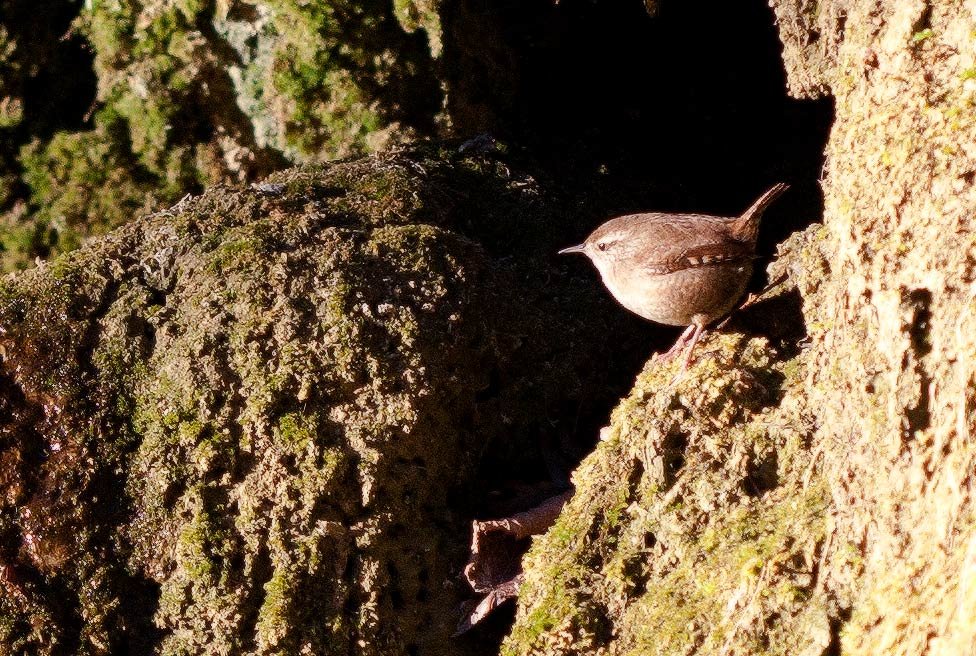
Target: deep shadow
<point x="686" y="111"/>
<point x="57" y="78"/>
<point x="51" y="70"/>
<point x="778" y="318"/>
<point x="683" y="111"/>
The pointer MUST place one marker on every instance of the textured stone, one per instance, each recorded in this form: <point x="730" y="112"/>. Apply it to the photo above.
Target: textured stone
<point x="251" y="423"/>
<point x="813" y="495"/>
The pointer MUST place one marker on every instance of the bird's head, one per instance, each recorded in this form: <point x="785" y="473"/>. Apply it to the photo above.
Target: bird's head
<point x="607" y="245"/>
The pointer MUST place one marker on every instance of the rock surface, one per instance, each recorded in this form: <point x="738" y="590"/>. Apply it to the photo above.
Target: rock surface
<point x="114" y="108"/>
<point x="808" y="491"/>
<point x="252" y="423"/>
<point x="262" y="421"/>
<point x="190" y="94"/>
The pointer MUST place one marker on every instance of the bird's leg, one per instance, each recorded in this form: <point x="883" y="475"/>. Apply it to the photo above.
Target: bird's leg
<point x="699" y="328"/>
<point x="678" y="345"/>
<point x="696" y="329"/>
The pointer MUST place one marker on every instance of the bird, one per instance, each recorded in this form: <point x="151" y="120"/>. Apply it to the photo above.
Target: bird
<point x="678" y="269"/>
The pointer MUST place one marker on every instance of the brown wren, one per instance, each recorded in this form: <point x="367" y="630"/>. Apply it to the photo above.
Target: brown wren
<point x="678" y="269"/>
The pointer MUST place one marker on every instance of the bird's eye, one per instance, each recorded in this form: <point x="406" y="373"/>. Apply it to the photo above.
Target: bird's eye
<point x="603" y="245"/>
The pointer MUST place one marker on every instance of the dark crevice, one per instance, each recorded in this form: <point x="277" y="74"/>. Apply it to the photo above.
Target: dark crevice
<point x="836" y="627"/>
<point x="762" y="474"/>
<point x="840" y="27"/>
<point x="918" y="417"/>
<point x="261" y="572"/>
<point x="392" y="587"/>
<point x="630" y="113"/>
<point x="924" y="20"/>
<point x="673" y="454"/>
<point x="635" y="475"/>
<point x="920" y="300"/>
<point x="492" y="389"/>
<point x="778" y="317"/>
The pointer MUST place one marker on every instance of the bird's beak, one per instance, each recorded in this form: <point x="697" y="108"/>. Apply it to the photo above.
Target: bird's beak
<point x="573" y="249"/>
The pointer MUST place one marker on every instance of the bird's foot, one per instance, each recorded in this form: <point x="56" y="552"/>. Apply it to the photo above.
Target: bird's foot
<point x="685" y="344"/>
<point x="678" y="346"/>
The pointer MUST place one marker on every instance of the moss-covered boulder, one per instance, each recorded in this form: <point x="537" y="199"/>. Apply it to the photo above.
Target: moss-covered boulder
<point x="190" y="94"/>
<point x="808" y="492"/>
<point x="251" y="423"/>
<point x="244" y="83"/>
<point x="697" y="521"/>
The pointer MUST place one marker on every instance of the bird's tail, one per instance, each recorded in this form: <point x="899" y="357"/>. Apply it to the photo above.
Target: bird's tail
<point x="746" y="227"/>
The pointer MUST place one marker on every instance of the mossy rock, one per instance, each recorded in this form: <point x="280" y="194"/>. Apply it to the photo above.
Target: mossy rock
<point x="809" y="494"/>
<point x="251" y="423"/>
<point x="190" y="94"/>
<point x="252" y="84"/>
<point x="697" y="520"/>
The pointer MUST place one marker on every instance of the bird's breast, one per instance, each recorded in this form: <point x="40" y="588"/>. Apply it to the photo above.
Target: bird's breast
<point x="675" y="298"/>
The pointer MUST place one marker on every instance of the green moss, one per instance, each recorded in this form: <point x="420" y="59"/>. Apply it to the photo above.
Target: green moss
<point x="923" y="35"/>
<point x="297" y="431"/>
<point x="233" y="252"/>
<point x="852" y="556"/>
<point x="81" y="184"/>
<point x="274" y="617"/>
<point x="614" y="513"/>
<point x="415" y="242"/>
<point x="736" y="549"/>
<point x="321" y="79"/>
<point x="556" y="609"/>
<point x="563" y="532"/>
<point x="201" y="547"/>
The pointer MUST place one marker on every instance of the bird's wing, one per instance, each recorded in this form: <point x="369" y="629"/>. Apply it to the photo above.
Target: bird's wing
<point x="686" y="241"/>
<point x="730" y="252"/>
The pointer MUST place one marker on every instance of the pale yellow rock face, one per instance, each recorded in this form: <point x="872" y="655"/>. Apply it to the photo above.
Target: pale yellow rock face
<point x="900" y="205"/>
<point x="808" y="495"/>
